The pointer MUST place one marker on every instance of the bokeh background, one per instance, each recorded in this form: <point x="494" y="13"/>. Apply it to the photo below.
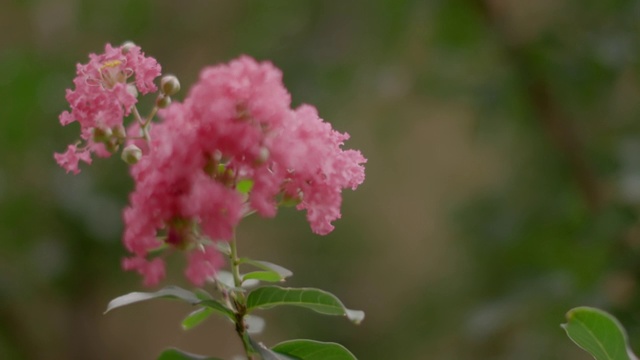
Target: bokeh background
<point x="503" y="181"/>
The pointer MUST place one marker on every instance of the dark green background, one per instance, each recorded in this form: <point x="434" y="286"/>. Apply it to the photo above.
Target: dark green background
<point x="502" y="185"/>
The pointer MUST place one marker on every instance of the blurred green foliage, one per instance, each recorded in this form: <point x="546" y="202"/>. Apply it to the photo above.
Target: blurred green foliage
<point x="503" y="177"/>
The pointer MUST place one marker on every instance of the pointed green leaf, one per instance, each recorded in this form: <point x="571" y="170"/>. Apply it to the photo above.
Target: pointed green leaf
<point x="202" y="294"/>
<point x="598" y="333"/>
<point x="196" y="317"/>
<point x="313" y="350"/>
<point x="176" y="354"/>
<point x="267" y="266"/>
<point x="315" y="299"/>
<point x="170" y="292"/>
<point x="218" y="307"/>
<point x="269" y="276"/>
<point x="268" y="354"/>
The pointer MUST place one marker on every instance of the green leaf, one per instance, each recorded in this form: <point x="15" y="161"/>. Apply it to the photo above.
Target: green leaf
<point x="268" y="354"/>
<point x="176" y="354"/>
<point x="598" y="333"/>
<point x="196" y="317"/>
<point x="315" y="299"/>
<point x="244" y="186"/>
<point x="225" y="280"/>
<point x="170" y="292"/>
<point x="269" y="276"/>
<point x="267" y="266"/>
<point x="202" y="294"/>
<point x="313" y="350"/>
<point x="218" y="307"/>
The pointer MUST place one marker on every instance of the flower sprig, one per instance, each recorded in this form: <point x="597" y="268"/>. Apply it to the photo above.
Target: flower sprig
<point x="233" y="147"/>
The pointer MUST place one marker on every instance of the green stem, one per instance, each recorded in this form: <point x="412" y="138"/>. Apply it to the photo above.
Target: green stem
<point x="239" y="300"/>
<point x="151" y="115"/>
<point x="235" y="262"/>
<point x="136" y="115"/>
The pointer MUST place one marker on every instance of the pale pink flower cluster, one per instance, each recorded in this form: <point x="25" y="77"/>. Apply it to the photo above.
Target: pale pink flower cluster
<point x="103" y="96"/>
<point x="233" y="147"/>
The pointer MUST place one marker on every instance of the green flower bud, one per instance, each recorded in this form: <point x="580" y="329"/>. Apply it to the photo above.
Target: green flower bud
<point x="131" y="154"/>
<point x="112" y="145"/>
<point x="163" y="101"/>
<point x="119" y="132"/>
<point x="100" y="135"/>
<point x="169" y="85"/>
<point x="288" y="200"/>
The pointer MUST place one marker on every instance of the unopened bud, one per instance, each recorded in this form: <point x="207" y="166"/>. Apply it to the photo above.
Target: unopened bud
<point x="127" y="46"/>
<point x="119" y="132"/>
<point x="101" y="134"/>
<point x="112" y="145"/>
<point x="289" y="200"/>
<point x="131" y="89"/>
<point x="163" y="101"/>
<point x="263" y="156"/>
<point x="131" y="154"/>
<point x="169" y="85"/>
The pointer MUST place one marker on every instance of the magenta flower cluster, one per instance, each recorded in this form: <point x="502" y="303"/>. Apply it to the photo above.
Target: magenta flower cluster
<point x="233" y="147"/>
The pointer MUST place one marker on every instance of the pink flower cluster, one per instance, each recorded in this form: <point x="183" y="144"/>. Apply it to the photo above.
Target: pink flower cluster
<point x="235" y="125"/>
<point x="233" y="147"/>
<point x="103" y="97"/>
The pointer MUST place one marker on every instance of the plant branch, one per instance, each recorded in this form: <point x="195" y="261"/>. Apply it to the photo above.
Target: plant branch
<point x="239" y="300"/>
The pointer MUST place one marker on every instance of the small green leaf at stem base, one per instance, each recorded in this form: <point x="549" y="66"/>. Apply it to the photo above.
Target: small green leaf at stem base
<point x="267" y="266"/>
<point x="598" y="333"/>
<point x="313" y="350"/>
<point x="176" y="354"/>
<point x="196" y="317"/>
<point x="218" y="307"/>
<point x="268" y="354"/>
<point x="315" y="299"/>
<point x="268" y="276"/>
<point x="170" y="292"/>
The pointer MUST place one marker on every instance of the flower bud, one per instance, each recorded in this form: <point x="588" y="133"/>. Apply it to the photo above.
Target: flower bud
<point x="126" y="46"/>
<point x="163" y="101"/>
<point x="112" y="145"/>
<point x="263" y="156"/>
<point x="101" y="134"/>
<point x="169" y="85"/>
<point x="289" y="200"/>
<point x="131" y="154"/>
<point x="119" y="132"/>
<point x="131" y="89"/>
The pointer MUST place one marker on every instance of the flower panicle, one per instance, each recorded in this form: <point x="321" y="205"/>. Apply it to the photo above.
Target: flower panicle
<point x="191" y="169"/>
<point x="105" y="92"/>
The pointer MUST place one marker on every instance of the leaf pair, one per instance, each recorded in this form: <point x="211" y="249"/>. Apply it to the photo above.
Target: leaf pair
<point x="265" y="297"/>
<point x="287" y="350"/>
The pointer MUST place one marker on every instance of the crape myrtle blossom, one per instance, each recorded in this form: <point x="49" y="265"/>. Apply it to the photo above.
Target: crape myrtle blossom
<point x="102" y="97"/>
<point x="236" y="124"/>
<point x="233" y="147"/>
